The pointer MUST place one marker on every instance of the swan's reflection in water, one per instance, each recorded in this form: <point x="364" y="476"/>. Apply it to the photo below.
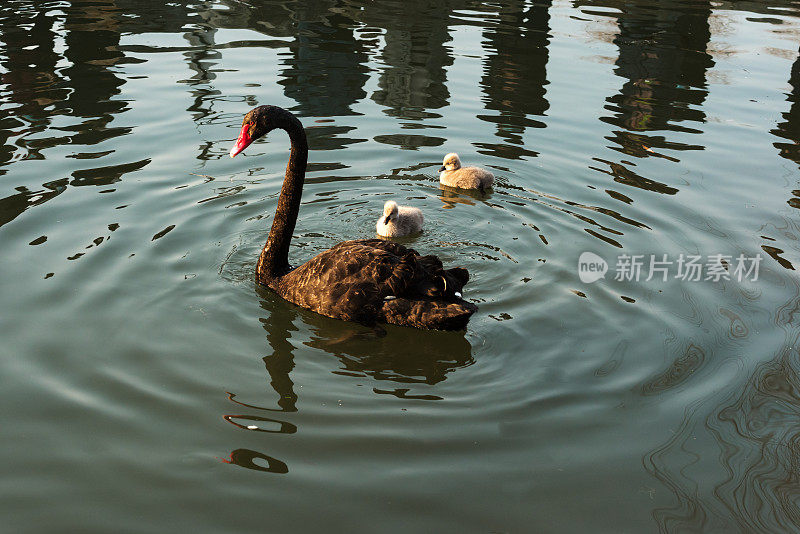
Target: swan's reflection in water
<point x="394" y="354"/>
<point x="384" y="353"/>
<point x="248" y="458"/>
<point x="397" y="354"/>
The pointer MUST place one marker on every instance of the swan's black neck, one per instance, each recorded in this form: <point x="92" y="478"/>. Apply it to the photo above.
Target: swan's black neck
<point x="274" y="260"/>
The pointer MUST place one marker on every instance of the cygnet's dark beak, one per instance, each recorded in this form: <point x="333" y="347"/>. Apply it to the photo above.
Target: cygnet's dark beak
<point x="386" y="219"/>
<point x="443" y="168"/>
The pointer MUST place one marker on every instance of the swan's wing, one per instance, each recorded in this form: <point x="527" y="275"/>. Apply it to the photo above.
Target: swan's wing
<point x="351" y="280"/>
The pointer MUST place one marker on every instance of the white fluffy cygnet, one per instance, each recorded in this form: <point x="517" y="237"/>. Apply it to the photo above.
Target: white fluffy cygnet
<point x="398" y="221"/>
<point x="452" y="174"/>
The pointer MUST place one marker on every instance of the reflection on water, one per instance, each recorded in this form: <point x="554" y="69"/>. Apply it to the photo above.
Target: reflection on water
<point x="29" y="77"/>
<point x="395" y="355"/>
<point x="619" y="126"/>
<point x="755" y="433"/>
<point x="12" y="206"/>
<point x="256" y="461"/>
<point x="415" y="55"/>
<point x="789" y="128"/>
<point x="451" y="196"/>
<point x="327" y="70"/>
<point x="515" y="75"/>
<point x="626" y="176"/>
<point x="662" y="56"/>
<point x="45" y="87"/>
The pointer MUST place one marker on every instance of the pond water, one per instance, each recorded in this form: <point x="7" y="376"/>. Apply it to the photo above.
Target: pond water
<point x="148" y="385"/>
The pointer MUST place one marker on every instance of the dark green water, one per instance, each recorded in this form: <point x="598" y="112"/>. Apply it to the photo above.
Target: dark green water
<point x="135" y="349"/>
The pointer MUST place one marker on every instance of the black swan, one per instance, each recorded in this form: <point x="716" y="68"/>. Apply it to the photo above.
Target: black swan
<point x="367" y="281"/>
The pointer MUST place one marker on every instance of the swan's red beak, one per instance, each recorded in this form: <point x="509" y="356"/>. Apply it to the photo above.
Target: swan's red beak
<point x="243" y="141"/>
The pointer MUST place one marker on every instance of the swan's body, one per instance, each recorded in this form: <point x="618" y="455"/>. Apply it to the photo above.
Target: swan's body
<point x="452" y="174"/>
<point x="368" y="280"/>
<point x="399" y="221"/>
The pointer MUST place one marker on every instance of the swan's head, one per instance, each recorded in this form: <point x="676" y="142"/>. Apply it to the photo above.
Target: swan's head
<point x="446" y="284"/>
<point x="390" y="211"/>
<point x="258" y="122"/>
<point x="451" y="162"/>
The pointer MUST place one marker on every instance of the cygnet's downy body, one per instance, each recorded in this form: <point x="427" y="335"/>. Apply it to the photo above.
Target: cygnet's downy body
<point x="399" y="221"/>
<point x="452" y="174"/>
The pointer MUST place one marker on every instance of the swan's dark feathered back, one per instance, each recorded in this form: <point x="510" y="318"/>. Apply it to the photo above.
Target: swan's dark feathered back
<point x="352" y="281"/>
